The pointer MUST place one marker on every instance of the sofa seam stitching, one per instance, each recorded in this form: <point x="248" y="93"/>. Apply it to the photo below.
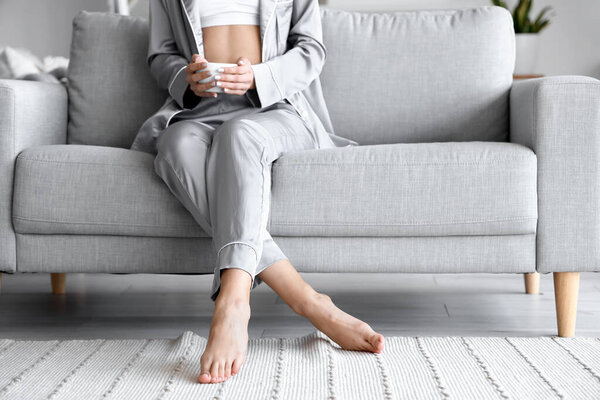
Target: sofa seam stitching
<point x="405" y="223"/>
<point x="281" y="164"/>
<point x="80" y="162"/>
<point x="276" y="223"/>
<point x="97" y="223"/>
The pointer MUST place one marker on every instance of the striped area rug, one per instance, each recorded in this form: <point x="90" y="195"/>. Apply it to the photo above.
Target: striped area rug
<point x="308" y="367"/>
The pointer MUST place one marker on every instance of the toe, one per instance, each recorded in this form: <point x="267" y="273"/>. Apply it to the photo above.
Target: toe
<point x="222" y="371"/>
<point x="235" y="367"/>
<point x="228" y="369"/>
<point x="204" y="377"/>
<point x="377" y="342"/>
<point x="214" y="371"/>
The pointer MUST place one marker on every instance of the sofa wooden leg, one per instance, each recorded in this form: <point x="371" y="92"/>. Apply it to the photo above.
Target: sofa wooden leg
<point x="532" y="283"/>
<point x="566" y="291"/>
<point x="58" y="283"/>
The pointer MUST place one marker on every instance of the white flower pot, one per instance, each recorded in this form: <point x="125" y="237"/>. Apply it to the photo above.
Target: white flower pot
<point x="527" y="46"/>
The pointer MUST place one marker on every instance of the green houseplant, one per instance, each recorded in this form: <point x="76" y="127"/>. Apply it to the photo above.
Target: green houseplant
<point x="526" y="33"/>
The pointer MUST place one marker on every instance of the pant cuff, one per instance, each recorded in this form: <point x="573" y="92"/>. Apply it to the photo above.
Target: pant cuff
<point x="270" y="255"/>
<point x="234" y="255"/>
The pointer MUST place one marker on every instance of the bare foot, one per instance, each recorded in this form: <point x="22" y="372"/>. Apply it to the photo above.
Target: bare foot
<point x="227" y="341"/>
<point x="349" y="332"/>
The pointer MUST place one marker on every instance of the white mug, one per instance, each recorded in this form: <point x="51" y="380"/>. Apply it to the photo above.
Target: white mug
<point x="212" y="67"/>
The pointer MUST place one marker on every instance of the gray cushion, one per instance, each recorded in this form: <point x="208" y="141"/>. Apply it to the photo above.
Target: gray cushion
<point x="419" y="76"/>
<point x="389" y="78"/>
<point x="408" y="189"/>
<point x="433" y="189"/>
<point x="79" y="189"/>
<point x="111" y="91"/>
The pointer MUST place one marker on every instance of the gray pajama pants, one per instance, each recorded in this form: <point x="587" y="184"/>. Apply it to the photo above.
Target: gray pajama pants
<point x="216" y="159"/>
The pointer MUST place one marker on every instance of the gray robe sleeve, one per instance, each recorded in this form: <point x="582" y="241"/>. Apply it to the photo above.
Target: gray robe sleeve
<point x="164" y="58"/>
<point x="286" y="74"/>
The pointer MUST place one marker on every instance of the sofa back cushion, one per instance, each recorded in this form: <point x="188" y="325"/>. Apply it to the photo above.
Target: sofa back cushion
<point x="414" y="76"/>
<point x="419" y="76"/>
<point x="111" y="91"/>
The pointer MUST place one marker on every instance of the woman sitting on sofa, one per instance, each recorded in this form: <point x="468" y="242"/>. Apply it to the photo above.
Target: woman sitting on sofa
<point x="215" y="150"/>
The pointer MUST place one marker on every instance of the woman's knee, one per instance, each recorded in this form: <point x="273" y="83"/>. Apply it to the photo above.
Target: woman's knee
<point x="238" y="134"/>
<point x="183" y="137"/>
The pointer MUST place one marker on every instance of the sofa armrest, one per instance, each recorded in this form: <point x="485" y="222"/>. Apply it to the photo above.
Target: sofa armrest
<point x="31" y="113"/>
<point x="559" y="119"/>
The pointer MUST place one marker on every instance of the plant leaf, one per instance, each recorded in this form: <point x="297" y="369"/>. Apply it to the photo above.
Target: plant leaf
<point x="499" y="3"/>
<point x="521" y="16"/>
<point x="542" y="14"/>
<point x="541" y="22"/>
<point x="541" y="25"/>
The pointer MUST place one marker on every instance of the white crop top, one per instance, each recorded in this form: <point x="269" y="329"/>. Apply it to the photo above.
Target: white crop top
<point x="229" y="12"/>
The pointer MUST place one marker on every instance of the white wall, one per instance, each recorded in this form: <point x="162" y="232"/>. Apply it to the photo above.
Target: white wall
<point x="570" y="44"/>
<point x="42" y="26"/>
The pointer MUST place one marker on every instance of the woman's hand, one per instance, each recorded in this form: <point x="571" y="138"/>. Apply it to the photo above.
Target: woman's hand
<point x="235" y="80"/>
<point x="192" y="76"/>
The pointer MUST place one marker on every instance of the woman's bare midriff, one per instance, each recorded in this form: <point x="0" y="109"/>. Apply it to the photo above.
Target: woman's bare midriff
<point x="227" y="43"/>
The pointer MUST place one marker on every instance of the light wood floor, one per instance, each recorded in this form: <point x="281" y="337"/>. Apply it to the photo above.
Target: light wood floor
<point x="163" y="306"/>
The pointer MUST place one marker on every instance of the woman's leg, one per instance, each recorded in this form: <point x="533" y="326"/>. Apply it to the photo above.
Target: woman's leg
<point x="182" y="152"/>
<point x="181" y="163"/>
<point x="238" y="172"/>
<point x="347" y="331"/>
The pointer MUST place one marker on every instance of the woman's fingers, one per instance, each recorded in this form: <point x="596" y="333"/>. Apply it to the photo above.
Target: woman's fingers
<point x="229" y="77"/>
<point x="238" y="70"/>
<point x="233" y="80"/>
<point x="198" y="63"/>
<point x="193" y="67"/>
<point x="230" y="85"/>
<point x="197" y="58"/>
<point x="200" y="89"/>
<point x="247" y="78"/>
<point x="193" y="75"/>
<point x="200" y="75"/>
<point x="233" y="83"/>
<point x="207" y="94"/>
<point x="238" y="92"/>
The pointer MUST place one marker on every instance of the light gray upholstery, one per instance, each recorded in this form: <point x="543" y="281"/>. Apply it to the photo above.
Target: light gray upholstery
<point x="559" y="118"/>
<point x="419" y="76"/>
<point x="435" y="186"/>
<point x="143" y="254"/>
<point x="425" y="189"/>
<point x="31" y="113"/>
<point x="84" y="189"/>
<point x="111" y="91"/>
<point x="422" y="80"/>
<point x="407" y="189"/>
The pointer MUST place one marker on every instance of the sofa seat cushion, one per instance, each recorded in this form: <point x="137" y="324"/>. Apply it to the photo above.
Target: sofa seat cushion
<point x="428" y="189"/>
<point x="81" y="189"/>
<point x="406" y="189"/>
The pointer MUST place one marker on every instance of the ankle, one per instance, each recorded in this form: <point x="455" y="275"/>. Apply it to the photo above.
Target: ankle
<point x="309" y="302"/>
<point x="232" y="301"/>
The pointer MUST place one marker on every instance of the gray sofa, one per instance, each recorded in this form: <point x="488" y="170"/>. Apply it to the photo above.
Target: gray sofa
<point x="459" y="168"/>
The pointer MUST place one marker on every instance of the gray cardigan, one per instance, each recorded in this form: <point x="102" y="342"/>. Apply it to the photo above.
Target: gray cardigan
<point x="293" y="55"/>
